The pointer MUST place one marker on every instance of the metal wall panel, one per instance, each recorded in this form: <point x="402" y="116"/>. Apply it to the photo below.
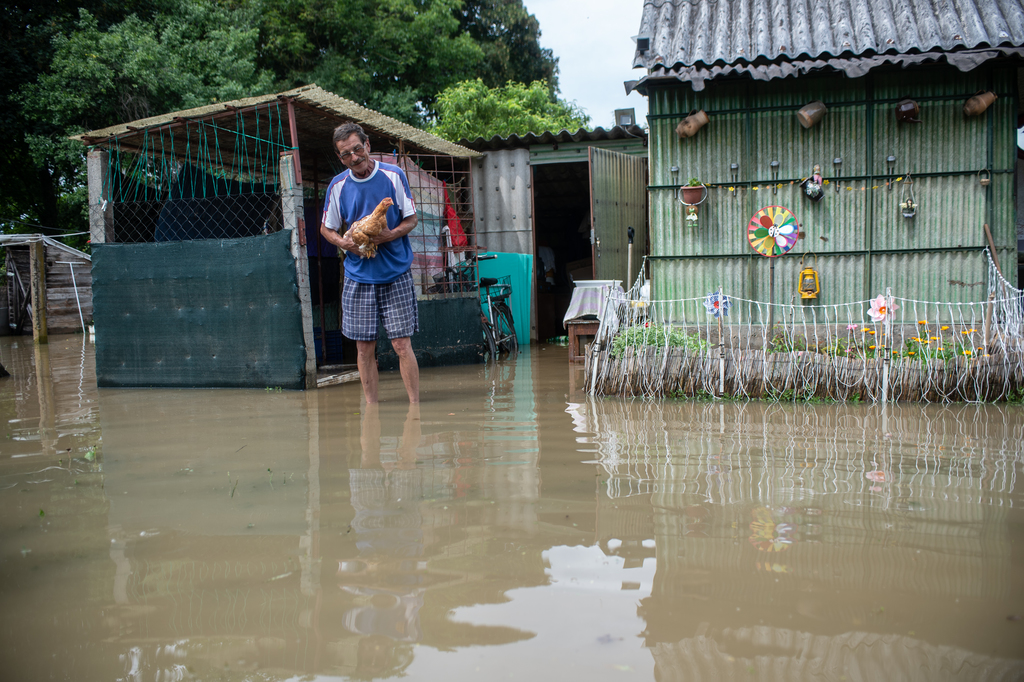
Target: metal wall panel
<point x="503" y="201"/>
<point x="858" y="215"/>
<point x="618" y="194"/>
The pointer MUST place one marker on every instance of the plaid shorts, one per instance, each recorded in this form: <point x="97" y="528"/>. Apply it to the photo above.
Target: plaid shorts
<point x="393" y="303"/>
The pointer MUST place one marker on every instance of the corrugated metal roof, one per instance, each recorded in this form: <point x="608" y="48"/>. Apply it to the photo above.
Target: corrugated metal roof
<point x="26" y="239"/>
<point x="322" y="111"/>
<point x="581" y="135"/>
<point x="710" y="32"/>
<point x="853" y="67"/>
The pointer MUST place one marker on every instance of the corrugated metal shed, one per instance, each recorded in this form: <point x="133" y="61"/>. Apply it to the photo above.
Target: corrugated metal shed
<point x="732" y="31"/>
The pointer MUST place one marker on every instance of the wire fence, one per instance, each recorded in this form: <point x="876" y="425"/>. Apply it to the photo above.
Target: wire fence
<point x="882" y="349"/>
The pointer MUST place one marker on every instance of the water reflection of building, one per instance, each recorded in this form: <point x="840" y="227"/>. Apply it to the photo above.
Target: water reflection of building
<point x="804" y="520"/>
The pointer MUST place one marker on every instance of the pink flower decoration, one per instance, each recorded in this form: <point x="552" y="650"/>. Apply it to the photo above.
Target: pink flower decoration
<point x="878" y="311"/>
<point x="876" y="476"/>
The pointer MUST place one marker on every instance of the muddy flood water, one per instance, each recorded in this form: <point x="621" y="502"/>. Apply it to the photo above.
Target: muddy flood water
<point x="509" y="528"/>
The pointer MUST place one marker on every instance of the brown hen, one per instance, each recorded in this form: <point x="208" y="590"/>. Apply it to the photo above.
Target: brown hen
<point x="363" y="230"/>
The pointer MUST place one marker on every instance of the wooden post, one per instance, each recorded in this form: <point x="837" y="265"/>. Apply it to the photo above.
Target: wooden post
<point x="37" y="263"/>
<point x="291" y="217"/>
<point x="101" y="212"/>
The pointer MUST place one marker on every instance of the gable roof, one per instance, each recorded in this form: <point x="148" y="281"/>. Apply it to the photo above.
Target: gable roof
<point x="317" y="113"/>
<point x="736" y="35"/>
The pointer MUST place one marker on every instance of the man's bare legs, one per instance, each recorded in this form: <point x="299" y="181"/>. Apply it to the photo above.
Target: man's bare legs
<point x="367" y="361"/>
<point x="408" y="366"/>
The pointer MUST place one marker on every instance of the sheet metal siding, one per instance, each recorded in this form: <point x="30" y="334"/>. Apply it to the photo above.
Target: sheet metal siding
<point x="503" y="201"/>
<point x="952" y="209"/>
<point x="619" y="200"/>
<point x="730" y="31"/>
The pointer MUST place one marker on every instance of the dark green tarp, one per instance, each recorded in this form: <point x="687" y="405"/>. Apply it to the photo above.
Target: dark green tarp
<point x="209" y="313"/>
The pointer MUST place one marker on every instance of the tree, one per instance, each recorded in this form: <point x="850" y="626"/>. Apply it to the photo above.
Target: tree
<point x="29" y="191"/>
<point x="471" y="109"/>
<point x="510" y="39"/>
<point x="192" y="53"/>
<point x="395" y="56"/>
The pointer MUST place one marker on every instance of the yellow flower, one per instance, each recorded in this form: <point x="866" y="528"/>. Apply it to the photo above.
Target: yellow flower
<point x="945" y="328"/>
<point x="973" y="330"/>
<point x="965" y="332"/>
<point x="922" y="321"/>
<point x="871" y="347"/>
<point x="941" y="348"/>
<point x="910" y="353"/>
<point x="967" y="352"/>
<point x="865" y="329"/>
<point x="934" y="338"/>
<point x="926" y="342"/>
<point x="871" y="332"/>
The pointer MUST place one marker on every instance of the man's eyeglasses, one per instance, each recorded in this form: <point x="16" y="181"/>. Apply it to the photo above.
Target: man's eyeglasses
<point x="358" y="149"/>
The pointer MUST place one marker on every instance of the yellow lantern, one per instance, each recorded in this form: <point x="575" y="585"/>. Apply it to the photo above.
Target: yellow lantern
<point x="808" y="284"/>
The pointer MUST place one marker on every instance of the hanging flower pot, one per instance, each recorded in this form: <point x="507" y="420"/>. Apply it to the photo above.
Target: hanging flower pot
<point x="689" y="126"/>
<point x="692" y="195"/>
<point x="814" y="186"/>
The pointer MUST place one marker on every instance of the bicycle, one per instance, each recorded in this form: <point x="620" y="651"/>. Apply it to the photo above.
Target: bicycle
<point x="499" y="323"/>
<point x="497" y="327"/>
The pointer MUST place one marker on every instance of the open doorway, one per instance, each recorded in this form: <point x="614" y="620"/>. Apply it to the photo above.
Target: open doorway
<point x="562" y="249"/>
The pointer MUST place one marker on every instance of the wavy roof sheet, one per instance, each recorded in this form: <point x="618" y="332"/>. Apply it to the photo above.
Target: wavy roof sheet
<point x="318" y="113"/>
<point x="710" y="32"/>
<point x="562" y="136"/>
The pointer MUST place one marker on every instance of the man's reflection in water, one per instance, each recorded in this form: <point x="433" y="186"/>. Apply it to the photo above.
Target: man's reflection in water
<point x="388" y="527"/>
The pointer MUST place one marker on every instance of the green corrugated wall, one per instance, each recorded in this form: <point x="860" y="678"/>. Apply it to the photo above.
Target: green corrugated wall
<point x="862" y="241"/>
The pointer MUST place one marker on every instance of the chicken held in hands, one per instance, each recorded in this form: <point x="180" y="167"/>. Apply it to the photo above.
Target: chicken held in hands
<point x="366" y="228"/>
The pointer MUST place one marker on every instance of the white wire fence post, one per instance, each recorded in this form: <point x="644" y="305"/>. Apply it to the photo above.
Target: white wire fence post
<point x="887" y="331"/>
<point x="721" y="347"/>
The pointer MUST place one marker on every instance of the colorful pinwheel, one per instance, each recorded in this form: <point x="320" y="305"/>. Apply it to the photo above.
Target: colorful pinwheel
<point x="717" y="304"/>
<point x="773" y="231"/>
<point x="878" y="310"/>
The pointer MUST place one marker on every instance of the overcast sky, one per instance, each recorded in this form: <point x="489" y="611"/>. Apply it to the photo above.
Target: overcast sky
<point x="594" y="45"/>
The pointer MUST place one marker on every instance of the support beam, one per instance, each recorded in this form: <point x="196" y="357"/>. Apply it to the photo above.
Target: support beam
<point x="293" y="220"/>
<point x="101" y="212"/>
<point x="37" y="263"/>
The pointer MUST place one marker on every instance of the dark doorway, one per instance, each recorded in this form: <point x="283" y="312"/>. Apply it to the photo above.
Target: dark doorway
<point x="561" y="203"/>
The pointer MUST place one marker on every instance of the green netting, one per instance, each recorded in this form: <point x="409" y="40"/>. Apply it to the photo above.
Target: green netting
<point x="450" y="334"/>
<point x="209" y="313"/>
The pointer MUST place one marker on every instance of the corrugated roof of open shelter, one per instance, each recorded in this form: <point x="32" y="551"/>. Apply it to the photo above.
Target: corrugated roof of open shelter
<point x="723" y="32"/>
<point x="550" y="137"/>
<point x="313" y="97"/>
<point x="25" y="239"/>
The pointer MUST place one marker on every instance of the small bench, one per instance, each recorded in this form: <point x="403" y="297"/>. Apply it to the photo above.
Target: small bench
<point x="581" y="332"/>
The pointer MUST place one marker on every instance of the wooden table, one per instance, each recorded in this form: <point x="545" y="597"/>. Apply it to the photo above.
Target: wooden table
<point x="581" y="332"/>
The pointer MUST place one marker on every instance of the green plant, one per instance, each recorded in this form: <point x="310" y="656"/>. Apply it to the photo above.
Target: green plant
<point x="693" y="182"/>
<point x="640" y="335"/>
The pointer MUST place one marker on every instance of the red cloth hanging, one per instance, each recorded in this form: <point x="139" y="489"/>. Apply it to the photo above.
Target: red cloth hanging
<point x="458" y="236"/>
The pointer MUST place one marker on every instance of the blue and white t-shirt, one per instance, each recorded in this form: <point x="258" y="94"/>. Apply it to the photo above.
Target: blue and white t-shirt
<point x="349" y="199"/>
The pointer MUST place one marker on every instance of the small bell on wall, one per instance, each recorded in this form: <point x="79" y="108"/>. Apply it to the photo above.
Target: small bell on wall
<point x="986" y="179"/>
<point x="808" y="285"/>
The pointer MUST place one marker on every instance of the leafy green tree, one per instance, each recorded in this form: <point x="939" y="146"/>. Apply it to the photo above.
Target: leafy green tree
<point x="471" y="109"/>
<point x="393" y="56"/>
<point x="193" y="53"/>
<point x="29" y="191"/>
<point x="510" y="39"/>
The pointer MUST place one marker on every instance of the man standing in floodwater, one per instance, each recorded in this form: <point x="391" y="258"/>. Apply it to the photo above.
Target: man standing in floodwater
<point x="381" y="287"/>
